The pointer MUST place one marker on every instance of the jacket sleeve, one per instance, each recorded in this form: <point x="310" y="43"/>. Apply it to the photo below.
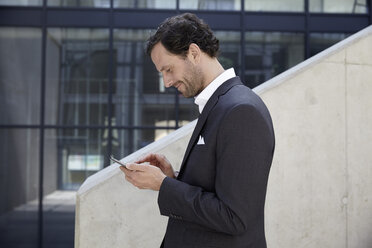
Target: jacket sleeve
<point x="244" y="153"/>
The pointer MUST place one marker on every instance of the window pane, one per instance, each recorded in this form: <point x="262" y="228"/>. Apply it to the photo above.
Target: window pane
<point x="127" y="141"/>
<point x="140" y="98"/>
<point x="20" y="69"/>
<point x="80" y="3"/>
<point x="230" y="52"/>
<point x="59" y="219"/>
<point x="339" y="6"/>
<point x="268" y="54"/>
<point x="321" y="41"/>
<point x="69" y="156"/>
<point x="72" y="155"/>
<point x="19" y="187"/>
<point x="211" y="4"/>
<point x="275" y="5"/>
<point x="77" y="76"/>
<point x="148" y="4"/>
<point x="21" y="2"/>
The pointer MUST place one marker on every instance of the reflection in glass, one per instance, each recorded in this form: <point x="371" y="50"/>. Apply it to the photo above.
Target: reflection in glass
<point x="19" y="187"/>
<point x="75" y="154"/>
<point x="230" y="51"/>
<point x="268" y="54"/>
<point x="140" y="98"/>
<point x="339" y="6"/>
<point x="211" y="4"/>
<point x="138" y="92"/>
<point x="148" y="4"/>
<point x="20" y="80"/>
<point x="21" y="2"/>
<point x="59" y="218"/>
<point x="321" y="41"/>
<point x="80" y="3"/>
<point x="127" y="141"/>
<point x="77" y="76"/>
<point x="275" y="5"/>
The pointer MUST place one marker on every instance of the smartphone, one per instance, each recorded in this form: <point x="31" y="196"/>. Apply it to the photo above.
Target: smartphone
<point x="118" y="161"/>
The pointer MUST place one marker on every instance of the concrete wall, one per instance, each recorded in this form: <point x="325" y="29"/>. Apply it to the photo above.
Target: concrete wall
<point x="320" y="185"/>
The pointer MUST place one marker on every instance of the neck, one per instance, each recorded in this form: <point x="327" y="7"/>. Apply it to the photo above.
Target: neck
<point x="212" y="69"/>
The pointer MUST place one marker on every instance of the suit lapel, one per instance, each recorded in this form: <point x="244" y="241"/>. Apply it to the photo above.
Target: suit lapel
<point x="203" y="117"/>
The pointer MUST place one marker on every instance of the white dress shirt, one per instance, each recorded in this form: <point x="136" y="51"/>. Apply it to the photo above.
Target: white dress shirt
<point x="202" y="99"/>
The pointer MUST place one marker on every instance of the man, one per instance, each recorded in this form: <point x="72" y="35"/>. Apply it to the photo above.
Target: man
<point x="217" y="199"/>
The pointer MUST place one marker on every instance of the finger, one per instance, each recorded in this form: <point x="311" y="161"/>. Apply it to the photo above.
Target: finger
<point x="146" y="158"/>
<point x="134" y="180"/>
<point x="123" y="169"/>
<point x="130" y="180"/>
<point x="162" y="160"/>
<point x="127" y="172"/>
<point x="136" y="167"/>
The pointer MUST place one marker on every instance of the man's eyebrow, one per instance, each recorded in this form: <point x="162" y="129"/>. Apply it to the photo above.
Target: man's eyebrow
<point x="163" y="68"/>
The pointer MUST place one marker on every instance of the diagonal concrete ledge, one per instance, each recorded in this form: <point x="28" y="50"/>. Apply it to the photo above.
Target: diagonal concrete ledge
<point x="320" y="184"/>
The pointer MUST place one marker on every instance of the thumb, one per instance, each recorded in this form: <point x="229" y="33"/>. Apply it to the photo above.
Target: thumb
<point x="136" y="167"/>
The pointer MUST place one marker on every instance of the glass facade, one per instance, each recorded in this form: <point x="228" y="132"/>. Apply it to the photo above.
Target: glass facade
<point x="20" y="69"/>
<point x="77" y="76"/>
<point x="321" y="41"/>
<point x="145" y="4"/>
<point x="274" y="5"/>
<point x="269" y="53"/>
<point x="77" y="86"/>
<point x="71" y="155"/>
<point x="21" y="2"/>
<point x="211" y="4"/>
<point x="339" y="6"/>
<point x="19" y="187"/>
<point x="80" y="3"/>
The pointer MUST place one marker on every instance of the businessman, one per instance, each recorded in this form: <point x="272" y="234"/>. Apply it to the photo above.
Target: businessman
<point x="218" y="197"/>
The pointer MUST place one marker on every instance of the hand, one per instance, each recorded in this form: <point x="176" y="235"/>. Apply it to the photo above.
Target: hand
<point x="144" y="176"/>
<point x="160" y="161"/>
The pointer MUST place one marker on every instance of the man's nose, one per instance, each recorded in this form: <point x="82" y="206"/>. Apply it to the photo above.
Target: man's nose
<point x="167" y="81"/>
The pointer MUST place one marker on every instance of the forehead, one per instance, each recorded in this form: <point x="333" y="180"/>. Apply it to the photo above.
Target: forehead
<point x="162" y="57"/>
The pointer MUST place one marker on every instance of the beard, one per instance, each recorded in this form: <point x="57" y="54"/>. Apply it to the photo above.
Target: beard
<point x="192" y="82"/>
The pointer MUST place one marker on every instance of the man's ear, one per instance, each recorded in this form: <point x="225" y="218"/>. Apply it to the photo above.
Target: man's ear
<point x="194" y="53"/>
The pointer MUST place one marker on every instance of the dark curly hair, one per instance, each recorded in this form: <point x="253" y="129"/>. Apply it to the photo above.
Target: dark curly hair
<point x="178" y="32"/>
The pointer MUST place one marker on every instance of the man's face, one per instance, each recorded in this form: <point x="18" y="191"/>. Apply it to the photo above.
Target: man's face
<point x="178" y="72"/>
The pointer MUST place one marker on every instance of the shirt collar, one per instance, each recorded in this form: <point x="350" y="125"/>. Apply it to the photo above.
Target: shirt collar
<point x="202" y="99"/>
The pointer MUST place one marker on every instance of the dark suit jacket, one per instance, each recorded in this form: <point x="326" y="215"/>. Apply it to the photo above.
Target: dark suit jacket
<point x="218" y="197"/>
